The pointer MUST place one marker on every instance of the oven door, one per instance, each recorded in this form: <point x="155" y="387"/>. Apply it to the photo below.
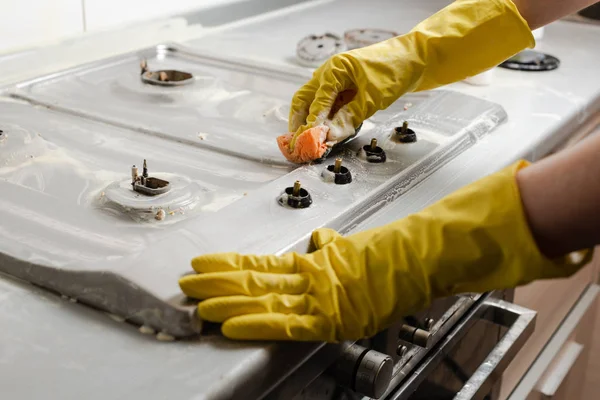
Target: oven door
<point x="469" y="361"/>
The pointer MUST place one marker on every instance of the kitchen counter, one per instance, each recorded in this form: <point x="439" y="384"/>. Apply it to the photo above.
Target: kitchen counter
<point x="52" y="347"/>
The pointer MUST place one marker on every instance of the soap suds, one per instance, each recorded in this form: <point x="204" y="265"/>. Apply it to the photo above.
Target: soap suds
<point x="283" y="200"/>
<point x="160" y="215"/>
<point x="115" y="317"/>
<point x="362" y="155"/>
<point x="146" y="330"/>
<point x="328" y="176"/>
<point x="164" y="337"/>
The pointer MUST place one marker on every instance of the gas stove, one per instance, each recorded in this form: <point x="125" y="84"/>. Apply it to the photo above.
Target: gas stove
<point x="87" y="224"/>
<point x="116" y="173"/>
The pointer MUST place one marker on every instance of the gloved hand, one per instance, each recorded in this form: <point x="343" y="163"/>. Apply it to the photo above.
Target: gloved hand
<point x="461" y="40"/>
<point x="474" y="240"/>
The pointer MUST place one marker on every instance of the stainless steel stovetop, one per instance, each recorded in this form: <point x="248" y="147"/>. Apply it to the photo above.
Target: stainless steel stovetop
<point x="73" y="224"/>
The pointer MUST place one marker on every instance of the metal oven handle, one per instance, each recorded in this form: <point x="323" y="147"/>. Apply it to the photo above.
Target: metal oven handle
<point x="520" y="322"/>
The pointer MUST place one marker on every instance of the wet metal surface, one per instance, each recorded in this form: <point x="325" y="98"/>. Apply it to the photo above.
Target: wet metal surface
<point x="74" y="224"/>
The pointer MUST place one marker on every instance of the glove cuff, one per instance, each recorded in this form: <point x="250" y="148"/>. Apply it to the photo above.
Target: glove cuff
<point x="468" y="37"/>
<point x="500" y="249"/>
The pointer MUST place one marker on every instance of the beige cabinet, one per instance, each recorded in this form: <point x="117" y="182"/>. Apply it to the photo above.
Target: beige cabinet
<point x="560" y="360"/>
<point x="565" y="376"/>
<point x="552" y="300"/>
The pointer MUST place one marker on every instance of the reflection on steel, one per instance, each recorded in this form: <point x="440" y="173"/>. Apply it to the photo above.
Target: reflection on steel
<point x="401" y="350"/>
<point x="429" y="323"/>
<point x="521" y="323"/>
<point x="519" y="320"/>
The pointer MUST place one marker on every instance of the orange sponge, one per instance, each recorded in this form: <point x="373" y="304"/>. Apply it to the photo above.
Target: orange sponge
<point x="310" y="145"/>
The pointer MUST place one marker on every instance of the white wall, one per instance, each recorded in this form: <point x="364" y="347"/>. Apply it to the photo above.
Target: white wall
<point x="27" y="23"/>
<point x="102" y="14"/>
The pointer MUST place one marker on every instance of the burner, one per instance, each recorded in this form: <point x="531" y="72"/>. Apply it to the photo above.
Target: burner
<point x="372" y="153"/>
<point x="337" y="173"/>
<point x="295" y="197"/>
<point x="404" y="134"/>
<point x="365" y="37"/>
<point x="148" y="185"/>
<point x="530" y="60"/>
<point x="168" y="197"/>
<point x="164" y="77"/>
<point x="313" y="50"/>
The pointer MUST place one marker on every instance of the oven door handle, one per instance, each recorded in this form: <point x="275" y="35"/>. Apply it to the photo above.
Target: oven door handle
<point x="520" y="322"/>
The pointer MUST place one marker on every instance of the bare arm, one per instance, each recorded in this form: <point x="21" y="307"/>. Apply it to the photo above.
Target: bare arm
<point x="538" y="13"/>
<point x="561" y="196"/>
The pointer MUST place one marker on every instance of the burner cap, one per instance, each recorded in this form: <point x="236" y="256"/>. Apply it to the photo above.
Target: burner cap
<point x="343" y="177"/>
<point x="404" y="134"/>
<point x="313" y="50"/>
<point x="296" y="197"/>
<point x="372" y="153"/>
<point x="530" y="60"/>
<point x="356" y="38"/>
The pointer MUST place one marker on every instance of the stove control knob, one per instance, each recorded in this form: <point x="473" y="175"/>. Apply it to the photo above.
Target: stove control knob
<point x="414" y="335"/>
<point x="365" y="371"/>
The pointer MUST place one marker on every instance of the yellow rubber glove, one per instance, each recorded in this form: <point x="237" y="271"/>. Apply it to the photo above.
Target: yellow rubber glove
<point x="474" y="240"/>
<point x="461" y="40"/>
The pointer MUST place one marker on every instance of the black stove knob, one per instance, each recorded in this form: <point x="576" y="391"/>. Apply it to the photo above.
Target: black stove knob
<point x="297" y="196"/>
<point x="365" y="371"/>
<point x="414" y="335"/>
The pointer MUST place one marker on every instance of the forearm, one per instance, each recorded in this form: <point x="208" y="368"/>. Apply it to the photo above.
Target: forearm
<point x="561" y="197"/>
<point x="538" y="13"/>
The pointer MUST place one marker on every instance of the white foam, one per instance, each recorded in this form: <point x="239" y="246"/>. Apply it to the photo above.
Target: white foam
<point x="164" y="337"/>
<point x="146" y="330"/>
<point x="328" y="176"/>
